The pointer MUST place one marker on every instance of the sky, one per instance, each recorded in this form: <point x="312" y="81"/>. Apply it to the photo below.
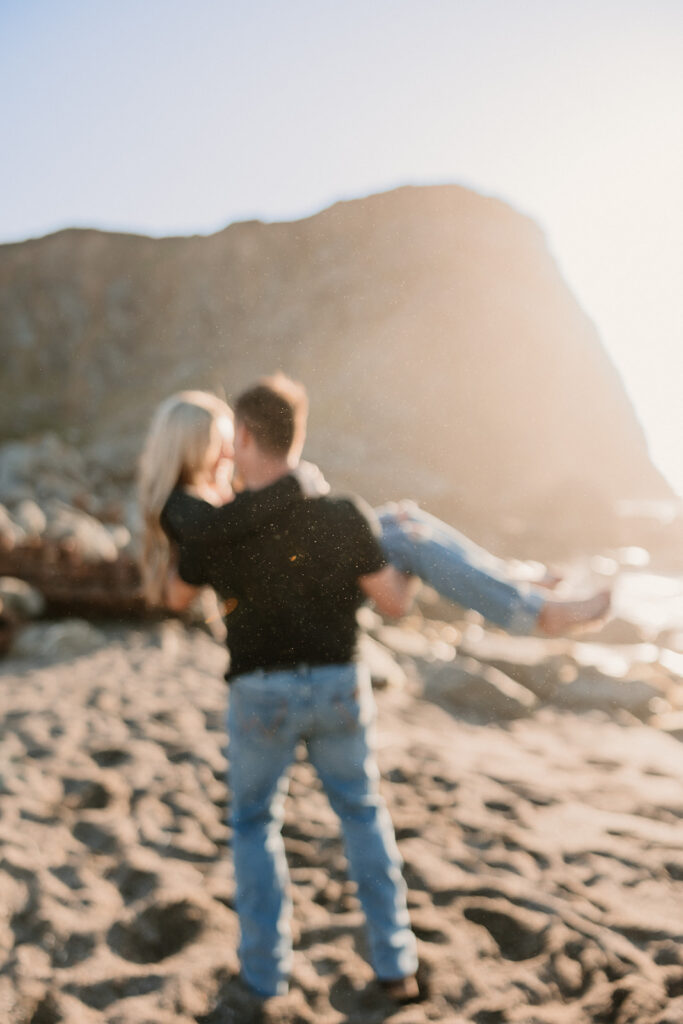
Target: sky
<point x="181" y="116"/>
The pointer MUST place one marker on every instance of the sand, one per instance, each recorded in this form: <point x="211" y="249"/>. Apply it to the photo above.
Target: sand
<point x="543" y="856"/>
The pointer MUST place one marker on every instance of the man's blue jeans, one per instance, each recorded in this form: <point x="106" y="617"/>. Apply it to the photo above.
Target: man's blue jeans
<point x="331" y="708"/>
<point x="418" y="543"/>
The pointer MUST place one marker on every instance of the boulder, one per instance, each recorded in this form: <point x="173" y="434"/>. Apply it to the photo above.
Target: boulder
<point x="58" y="641"/>
<point x="468" y="685"/>
<point x="670" y="723"/>
<point x="542" y="678"/>
<point x="536" y="663"/>
<point x="417" y="640"/>
<point x="30" y="517"/>
<point x="122" y="538"/>
<point x="88" y="538"/>
<point x="403" y="640"/>
<point x="671" y="638"/>
<point x="384" y="669"/>
<point x="11" y="534"/>
<point x="672" y="662"/>
<point x="591" y="689"/>
<point x="44" y="467"/>
<point x="19" y="599"/>
<point x="618" y="630"/>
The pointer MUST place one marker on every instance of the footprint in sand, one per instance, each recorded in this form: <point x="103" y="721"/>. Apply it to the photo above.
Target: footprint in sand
<point x="157" y="932"/>
<point x="85" y="794"/>
<point x="103" y="993"/>
<point x="519" y="934"/>
<point x="133" y="883"/>
<point x="110" y="757"/>
<point x="78" y="947"/>
<point x="97" y="838"/>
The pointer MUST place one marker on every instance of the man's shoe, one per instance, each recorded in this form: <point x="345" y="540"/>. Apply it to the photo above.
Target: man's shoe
<point x="401" y="990"/>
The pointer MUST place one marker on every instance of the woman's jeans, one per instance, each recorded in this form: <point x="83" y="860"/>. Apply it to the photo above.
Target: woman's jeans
<point x="331" y="708"/>
<point x="458" y="569"/>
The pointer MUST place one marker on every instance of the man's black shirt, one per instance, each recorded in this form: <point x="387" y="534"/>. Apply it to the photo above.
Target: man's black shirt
<point x="289" y="568"/>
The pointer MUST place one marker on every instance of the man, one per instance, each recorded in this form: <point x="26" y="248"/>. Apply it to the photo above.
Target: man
<point x="294" y="584"/>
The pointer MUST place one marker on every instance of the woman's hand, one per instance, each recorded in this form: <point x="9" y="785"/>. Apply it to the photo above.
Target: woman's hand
<point x="311" y="480"/>
<point x="223" y="481"/>
<point x="179" y="595"/>
<point x="216" y="491"/>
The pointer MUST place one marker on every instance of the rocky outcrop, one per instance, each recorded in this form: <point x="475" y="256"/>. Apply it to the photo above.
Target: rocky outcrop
<point x="445" y="356"/>
<point x="496" y="677"/>
<point x="67" y="530"/>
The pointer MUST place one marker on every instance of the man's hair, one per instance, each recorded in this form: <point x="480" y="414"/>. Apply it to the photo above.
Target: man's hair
<point x="274" y="411"/>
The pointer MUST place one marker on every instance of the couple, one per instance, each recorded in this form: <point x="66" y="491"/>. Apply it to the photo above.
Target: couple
<point x="293" y="570"/>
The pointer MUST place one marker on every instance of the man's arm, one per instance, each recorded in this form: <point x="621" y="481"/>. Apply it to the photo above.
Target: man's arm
<point x="391" y="590"/>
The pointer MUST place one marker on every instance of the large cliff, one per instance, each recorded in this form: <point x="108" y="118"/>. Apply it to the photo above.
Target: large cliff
<point x="445" y="356"/>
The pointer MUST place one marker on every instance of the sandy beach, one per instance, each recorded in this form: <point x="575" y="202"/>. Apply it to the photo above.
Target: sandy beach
<point x="543" y="856"/>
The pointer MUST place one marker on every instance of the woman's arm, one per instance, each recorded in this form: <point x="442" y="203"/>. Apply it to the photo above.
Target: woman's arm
<point x="189" y="519"/>
<point x="178" y="594"/>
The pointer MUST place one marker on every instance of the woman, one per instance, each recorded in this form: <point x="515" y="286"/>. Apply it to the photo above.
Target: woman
<point x="188" y="506"/>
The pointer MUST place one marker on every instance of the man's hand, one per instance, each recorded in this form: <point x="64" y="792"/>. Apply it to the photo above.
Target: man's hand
<point x="311" y="480"/>
<point x="391" y="590"/>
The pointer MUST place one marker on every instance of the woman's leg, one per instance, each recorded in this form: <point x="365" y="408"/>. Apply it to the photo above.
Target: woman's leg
<point x="458" y="569"/>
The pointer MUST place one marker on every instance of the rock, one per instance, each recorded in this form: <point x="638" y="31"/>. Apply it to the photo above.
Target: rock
<point x="618" y="631"/>
<point x="167" y="636"/>
<point x="20" y="599"/>
<point x="60" y="640"/>
<point x="384" y="669"/>
<point x="121" y="536"/>
<point x="670" y="723"/>
<point x="536" y="663"/>
<point x="541" y="679"/>
<point x="47" y="467"/>
<point x="672" y="638"/>
<point x="593" y="690"/>
<point x="30" y="517"/>
<point x="11" y="534"/>
<point x="469" y="685"/>
<point x="633" y="557"/>
<point x="89" y="538"/>
<point x="672" y="662"/>
<point x="402" y="640"/>
<point x="619" y="661"/>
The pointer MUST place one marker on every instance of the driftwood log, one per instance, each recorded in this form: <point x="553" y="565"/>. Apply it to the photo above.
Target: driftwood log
<point x="71" y="585"/>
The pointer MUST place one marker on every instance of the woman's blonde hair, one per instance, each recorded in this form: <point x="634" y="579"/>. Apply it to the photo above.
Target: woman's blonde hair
<point x="181" y="440"/>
